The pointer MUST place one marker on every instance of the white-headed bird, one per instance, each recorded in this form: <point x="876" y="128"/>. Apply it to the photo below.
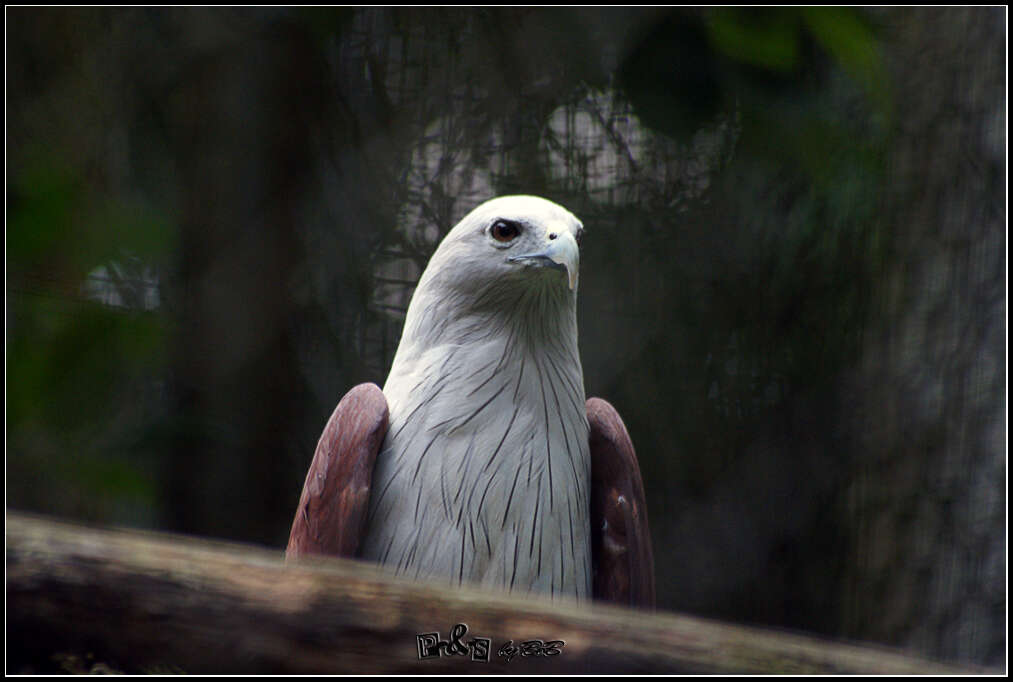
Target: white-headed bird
<point x="480" y="461"/>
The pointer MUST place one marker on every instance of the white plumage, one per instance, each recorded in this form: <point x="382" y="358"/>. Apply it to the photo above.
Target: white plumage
<point x="484" y="474"/>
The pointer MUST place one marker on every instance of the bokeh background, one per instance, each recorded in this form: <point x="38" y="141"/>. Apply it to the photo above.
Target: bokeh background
<point x="793" y="282"/>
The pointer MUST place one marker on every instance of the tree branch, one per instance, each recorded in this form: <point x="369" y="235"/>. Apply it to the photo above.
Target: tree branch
<point x="146" y="602"/>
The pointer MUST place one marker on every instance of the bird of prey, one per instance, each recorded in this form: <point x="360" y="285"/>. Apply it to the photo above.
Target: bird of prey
<point x="480" y="462"/>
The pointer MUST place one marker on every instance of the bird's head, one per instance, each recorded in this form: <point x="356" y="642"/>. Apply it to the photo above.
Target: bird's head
<point x="508" y="252"/>
<point x="512" y="241"/>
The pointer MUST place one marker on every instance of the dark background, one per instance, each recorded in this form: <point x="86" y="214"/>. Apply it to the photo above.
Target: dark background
<point x="793" y="281"/>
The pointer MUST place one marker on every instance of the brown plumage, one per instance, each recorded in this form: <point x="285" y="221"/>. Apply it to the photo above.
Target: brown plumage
<point x="335" y="496"/>
<point x="620" y="538"/>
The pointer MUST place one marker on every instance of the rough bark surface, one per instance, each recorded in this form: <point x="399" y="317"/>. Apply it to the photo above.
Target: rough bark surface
<point x="143" y="602"/>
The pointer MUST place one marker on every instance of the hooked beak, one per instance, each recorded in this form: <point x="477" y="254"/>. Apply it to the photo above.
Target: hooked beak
<point x="562" y="253"/>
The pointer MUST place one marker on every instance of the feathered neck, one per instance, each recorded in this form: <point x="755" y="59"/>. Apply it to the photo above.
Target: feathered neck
<point x="537" y="315"/>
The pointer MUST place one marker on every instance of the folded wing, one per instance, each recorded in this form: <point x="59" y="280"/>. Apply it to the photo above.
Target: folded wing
<point x="331" y="515"/>
<point x="621" y="555"/>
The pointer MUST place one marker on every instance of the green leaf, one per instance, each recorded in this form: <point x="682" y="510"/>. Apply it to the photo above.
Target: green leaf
<point x="765" y="38"/>
<point x="845" y="34"/>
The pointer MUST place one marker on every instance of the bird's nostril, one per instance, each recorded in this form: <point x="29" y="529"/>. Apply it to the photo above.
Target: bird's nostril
<point x="552" y="235"/>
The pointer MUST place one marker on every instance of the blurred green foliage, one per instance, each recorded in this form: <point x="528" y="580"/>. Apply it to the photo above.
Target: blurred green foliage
<point x="53" y="213"/>
<point x="79" y="373"/>
<point x="769" y="283"/>
<point x="690" y="65"/>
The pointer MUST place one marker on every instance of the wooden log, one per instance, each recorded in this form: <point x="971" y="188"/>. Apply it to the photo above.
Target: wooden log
<point x="135" y="601"/>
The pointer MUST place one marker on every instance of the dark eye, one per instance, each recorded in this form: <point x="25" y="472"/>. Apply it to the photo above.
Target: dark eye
<point x="504" y="231"/>
<point x="580" y="235"/>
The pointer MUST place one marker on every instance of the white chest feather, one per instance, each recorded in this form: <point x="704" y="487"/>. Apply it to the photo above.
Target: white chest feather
<point x="484" y="474"/>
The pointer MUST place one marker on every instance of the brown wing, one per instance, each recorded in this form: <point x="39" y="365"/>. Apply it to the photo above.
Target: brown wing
<point x="620" y="539"/>
<point x="331" y="515"/>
